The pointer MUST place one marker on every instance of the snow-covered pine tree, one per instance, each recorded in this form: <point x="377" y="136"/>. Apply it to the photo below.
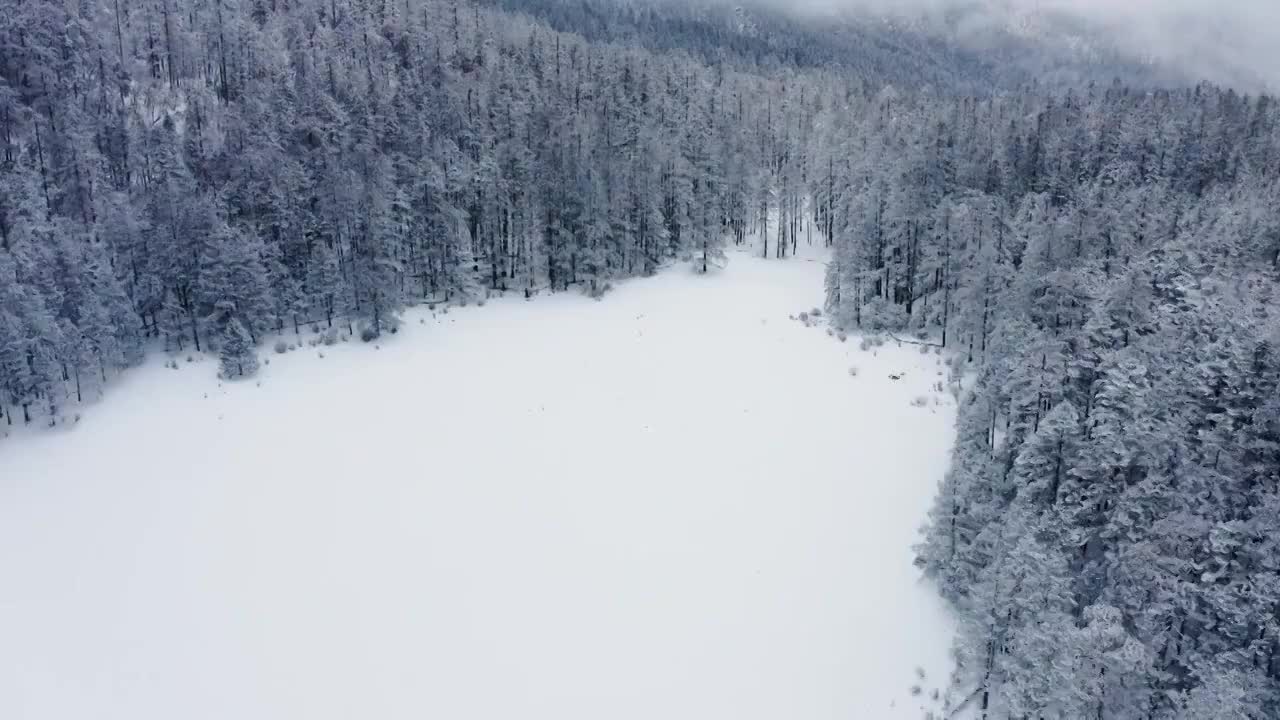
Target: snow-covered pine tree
<point x="237" y="356"/>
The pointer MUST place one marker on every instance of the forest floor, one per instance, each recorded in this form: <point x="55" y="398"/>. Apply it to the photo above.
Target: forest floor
<point x="674" y="503"/>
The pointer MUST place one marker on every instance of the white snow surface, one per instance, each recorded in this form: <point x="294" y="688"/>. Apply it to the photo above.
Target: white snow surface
<point x="674" y="503"/>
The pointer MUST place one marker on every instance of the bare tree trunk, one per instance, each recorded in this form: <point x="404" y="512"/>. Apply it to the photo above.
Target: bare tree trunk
<point x="168" y="43"/>
<point x="946" y="277"/>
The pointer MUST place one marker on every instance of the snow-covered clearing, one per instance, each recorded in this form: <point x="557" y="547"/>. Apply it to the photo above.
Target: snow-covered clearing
<point x="675" y="503"/>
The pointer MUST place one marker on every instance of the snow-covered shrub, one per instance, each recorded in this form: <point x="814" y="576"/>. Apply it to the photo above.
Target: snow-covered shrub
<point x="368" y="334"/>
<point x="804" y="317"/>
<point x="842" y="336"/>
<point x="920" y="402"/>
<point x="816" y="313"/>
<point x="853" y="371"/>
<point x="281" y="347"/>
<point x="879" y="315"/>
<point x="924" y="349"/>
<point x="866" y="344"/>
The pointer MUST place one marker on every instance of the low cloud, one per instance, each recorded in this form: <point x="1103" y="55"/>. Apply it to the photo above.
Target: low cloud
<point x="1225" y="40"/>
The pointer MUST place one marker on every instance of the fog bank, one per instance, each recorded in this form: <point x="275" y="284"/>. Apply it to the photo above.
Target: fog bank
<point x="1233" y="41"/>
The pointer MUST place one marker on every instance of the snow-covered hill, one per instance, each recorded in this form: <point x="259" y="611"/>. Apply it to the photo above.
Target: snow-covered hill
<point x="676" y="503"/>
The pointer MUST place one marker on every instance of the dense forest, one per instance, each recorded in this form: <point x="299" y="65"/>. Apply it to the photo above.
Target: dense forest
<point x="1098" y="254"/>
<point x="203" y="174"/>
<point x="1103" y="266"/>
